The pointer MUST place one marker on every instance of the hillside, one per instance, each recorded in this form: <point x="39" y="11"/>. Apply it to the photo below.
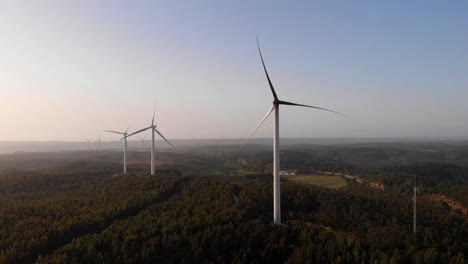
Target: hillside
<point x="79" y="213"/>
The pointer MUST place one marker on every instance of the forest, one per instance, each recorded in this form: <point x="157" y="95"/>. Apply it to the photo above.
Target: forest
<point x="86" y="212"/>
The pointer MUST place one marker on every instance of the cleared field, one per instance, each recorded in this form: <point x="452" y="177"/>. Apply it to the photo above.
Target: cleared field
<point x="328" y="181"/>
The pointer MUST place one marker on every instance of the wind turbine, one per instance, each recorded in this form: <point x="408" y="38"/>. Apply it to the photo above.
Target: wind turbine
<point x="99" y="141"/>
<point x="153" y="129"/>
<point x="89" y="140"/>
<point x="125" y="146"/>
<point x="276" y="148"/>
<point x="142" y="141"/>
<point x="416" y="189"/>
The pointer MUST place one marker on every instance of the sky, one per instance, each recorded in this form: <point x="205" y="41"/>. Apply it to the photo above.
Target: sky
<point x="70" y="69"/>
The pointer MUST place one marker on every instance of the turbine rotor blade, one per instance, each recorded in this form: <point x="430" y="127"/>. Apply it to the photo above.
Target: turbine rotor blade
<point x="110" y="131"/>
<point x="139" y="131"/>
<point x="164" y="137"/>
<point x="315" y="107"/>
<point x="263" y="120"/>
<point x="266" y="72"/>
<point x="154" y="112"/>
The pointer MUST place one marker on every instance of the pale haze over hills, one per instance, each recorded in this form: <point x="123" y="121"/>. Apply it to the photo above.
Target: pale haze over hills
<point x="138" y="145"/>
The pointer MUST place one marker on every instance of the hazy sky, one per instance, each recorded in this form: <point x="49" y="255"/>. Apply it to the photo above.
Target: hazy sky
<point x="69" y="69"/>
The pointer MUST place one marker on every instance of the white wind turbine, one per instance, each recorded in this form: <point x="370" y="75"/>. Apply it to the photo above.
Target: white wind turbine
<point x="276" y="150"/>
<point x="99" y="141"/>
<point x="89" y="140"/>
<point x="153" y="129"/>
<point x="143" y="141"/>
<point x="124" y="134"/>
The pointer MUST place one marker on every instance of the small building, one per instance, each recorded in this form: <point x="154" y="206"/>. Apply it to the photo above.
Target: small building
<point x="243" y="161"/>
<point x="377" y="185"/>
<point x="288" y="172"/>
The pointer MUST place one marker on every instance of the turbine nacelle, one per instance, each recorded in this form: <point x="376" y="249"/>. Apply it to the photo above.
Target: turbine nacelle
<point x="124" y="134"/>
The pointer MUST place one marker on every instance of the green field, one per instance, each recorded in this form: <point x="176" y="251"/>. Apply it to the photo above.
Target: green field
<point x="329" y="181"/>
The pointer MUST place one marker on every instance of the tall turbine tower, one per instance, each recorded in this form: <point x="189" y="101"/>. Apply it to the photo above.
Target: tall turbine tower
<point x="276" y="151"/>
<point x="415" y="189"/>
<point x="153" y="129"/>
<point x="125" y="148"/>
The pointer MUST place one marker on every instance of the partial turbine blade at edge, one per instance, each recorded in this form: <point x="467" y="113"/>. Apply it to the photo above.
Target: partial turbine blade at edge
<point x="315" y="107"/>
<point x="164" y="138"/>
<point x="263" y="120"/>
<point x="139" y="131"/>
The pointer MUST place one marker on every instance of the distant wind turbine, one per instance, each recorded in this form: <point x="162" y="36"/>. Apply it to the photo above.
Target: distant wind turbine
<point x="153" y="129"/>
<point x="276" y="151"/>
<point x="415" y="190"/>
<point x="89" y="140"/>
<point x="124" y="134"/>
<point x="99" y="141"/>
<point x="143" y="141"/>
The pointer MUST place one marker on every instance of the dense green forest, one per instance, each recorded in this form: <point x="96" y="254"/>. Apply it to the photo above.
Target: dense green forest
<point x="80" y="213"/>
